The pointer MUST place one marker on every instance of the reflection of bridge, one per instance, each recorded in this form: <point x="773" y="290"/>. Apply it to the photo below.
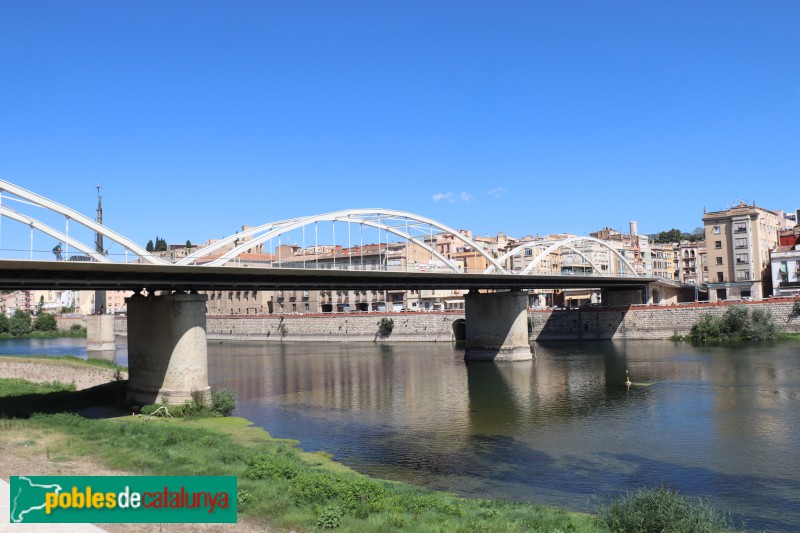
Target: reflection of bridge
<point x="166" y="332"/>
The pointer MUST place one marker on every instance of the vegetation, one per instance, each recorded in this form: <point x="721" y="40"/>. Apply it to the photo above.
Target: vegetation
<point x="20" y="323"/>
<point x="159" y="246"/>
<point x="385" y="327"/>
<point x="662" y="510"/>
<point x="45" y="322"/>
<point x="223" y="403"/>
<point x="737" y="323"/>
<point x="19" y="387"/>
<point x="676" y="235"/>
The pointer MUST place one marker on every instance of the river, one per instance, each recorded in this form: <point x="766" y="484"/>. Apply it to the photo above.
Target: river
<point x="717" y="422"/>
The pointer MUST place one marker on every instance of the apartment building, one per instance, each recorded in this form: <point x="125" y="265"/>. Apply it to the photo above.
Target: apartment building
<point x="738" y="244"/>
<point x="690" y="263"/>
<point x="785" y="263"/>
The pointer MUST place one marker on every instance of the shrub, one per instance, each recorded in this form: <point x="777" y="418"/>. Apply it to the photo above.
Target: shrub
<point x="5" y="325"/>
<point x="45" y="322"/>
<point x="734" y="321"/>
<point x="662" y="510"/>
<point x="738" y="323"/>
<point x="223" y="402"/>
<point x="330" y="517"/>
<point x="708" y="328"/>
<point x="20" y="323"/>
<point x="273" y="467"/>
<point x="385" y="327"/>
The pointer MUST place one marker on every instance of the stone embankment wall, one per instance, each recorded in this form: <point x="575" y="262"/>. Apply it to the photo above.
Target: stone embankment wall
<point x="350" y="327"/>
<point x="639" y="322"/>
<point x="643" y="322"/>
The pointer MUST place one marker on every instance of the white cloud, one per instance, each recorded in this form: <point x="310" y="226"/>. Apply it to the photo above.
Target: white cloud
<point x="497" y="192"/>
<point x="466" y="197"/>
<point x="443" y="196"/>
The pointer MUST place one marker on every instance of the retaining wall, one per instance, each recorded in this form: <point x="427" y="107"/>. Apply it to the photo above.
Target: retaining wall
<point x="640" y="322"/>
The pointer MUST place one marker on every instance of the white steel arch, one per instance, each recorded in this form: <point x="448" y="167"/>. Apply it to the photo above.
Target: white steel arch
<point x="360" y="216"/>
<point x="44" y="228"/>
<point x="563" y="243"/>
<point x="81" y="219"/>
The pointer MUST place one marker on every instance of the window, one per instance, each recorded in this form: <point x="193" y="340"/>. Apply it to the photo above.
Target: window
<point x="720" y="277"/>
<point x="528" y="252"/>
<point x="740" y="242"/>
<point x="741" y="259"/>
<point x="718" y="245"/>
<point x="739" y="227"/>
<point x="719" y="260"/>
<point x="717" y="230"/>
<point x="742" y="275"/>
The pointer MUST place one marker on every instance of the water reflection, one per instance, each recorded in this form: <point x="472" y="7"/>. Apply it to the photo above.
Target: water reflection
<point x="717" y="422"/>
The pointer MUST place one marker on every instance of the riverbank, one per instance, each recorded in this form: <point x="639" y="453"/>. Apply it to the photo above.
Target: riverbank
<point x="280" y="485"/>
<point x="49" y="369"/>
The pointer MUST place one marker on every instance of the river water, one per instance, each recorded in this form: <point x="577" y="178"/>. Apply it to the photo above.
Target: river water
<point x="717" y="422"/>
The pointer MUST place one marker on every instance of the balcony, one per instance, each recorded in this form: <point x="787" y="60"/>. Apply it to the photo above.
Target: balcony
<point x="789" y="284"/>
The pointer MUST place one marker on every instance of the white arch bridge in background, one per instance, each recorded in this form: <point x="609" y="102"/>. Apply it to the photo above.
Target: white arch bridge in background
<point x="415" y="229"/>
<point x="563" y="243"/>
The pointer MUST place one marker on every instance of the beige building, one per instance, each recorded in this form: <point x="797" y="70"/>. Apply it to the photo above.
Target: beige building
<point x="738" y="244"/>
<point x="690" y="263"/>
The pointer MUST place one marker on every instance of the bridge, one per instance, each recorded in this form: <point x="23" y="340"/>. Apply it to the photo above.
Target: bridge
<point x="167" y="314"/>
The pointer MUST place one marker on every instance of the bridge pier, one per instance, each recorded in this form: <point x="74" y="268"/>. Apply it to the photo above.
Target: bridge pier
<point x="100" y="335"/>
<point x="497" y="326"/>
<point x="167" y="352"/>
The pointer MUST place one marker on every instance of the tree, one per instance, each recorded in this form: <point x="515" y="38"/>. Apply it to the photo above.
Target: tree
<point x="149" y="246"/>
<point x="5" y="326"/>
<point x="188" y="243"/>
<point x="40" y="305"/>
<point x="161" y="244"/>
<point x="673" y="235"/>
<point x="20" y="323"/>
<point x="45" y="322"/>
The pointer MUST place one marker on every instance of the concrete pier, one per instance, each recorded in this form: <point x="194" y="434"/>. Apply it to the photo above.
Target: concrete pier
<point x="497" y="326"/>
<point x="99" y="334"/>
<point x="167" y="352"/>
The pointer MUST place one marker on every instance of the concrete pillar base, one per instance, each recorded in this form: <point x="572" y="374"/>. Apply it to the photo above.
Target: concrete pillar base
<point x="100" y="333"/>
<point x="521" y="353"/>
<point x="167" y="351"/>
<point x="497" y="327"/>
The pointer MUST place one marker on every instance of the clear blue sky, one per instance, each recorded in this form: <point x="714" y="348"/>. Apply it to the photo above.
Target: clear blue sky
<point x="523" y="117"/>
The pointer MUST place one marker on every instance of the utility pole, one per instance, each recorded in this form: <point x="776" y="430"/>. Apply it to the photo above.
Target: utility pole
<point x="99" y="295"/>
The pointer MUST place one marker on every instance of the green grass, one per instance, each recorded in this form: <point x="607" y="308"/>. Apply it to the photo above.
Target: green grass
<point x="18" y="387"/>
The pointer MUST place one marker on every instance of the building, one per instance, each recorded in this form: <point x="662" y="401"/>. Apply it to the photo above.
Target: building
<point x="738" y="244"/>
<point x="785" y="264"/>
<point x="690" y="263"/>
